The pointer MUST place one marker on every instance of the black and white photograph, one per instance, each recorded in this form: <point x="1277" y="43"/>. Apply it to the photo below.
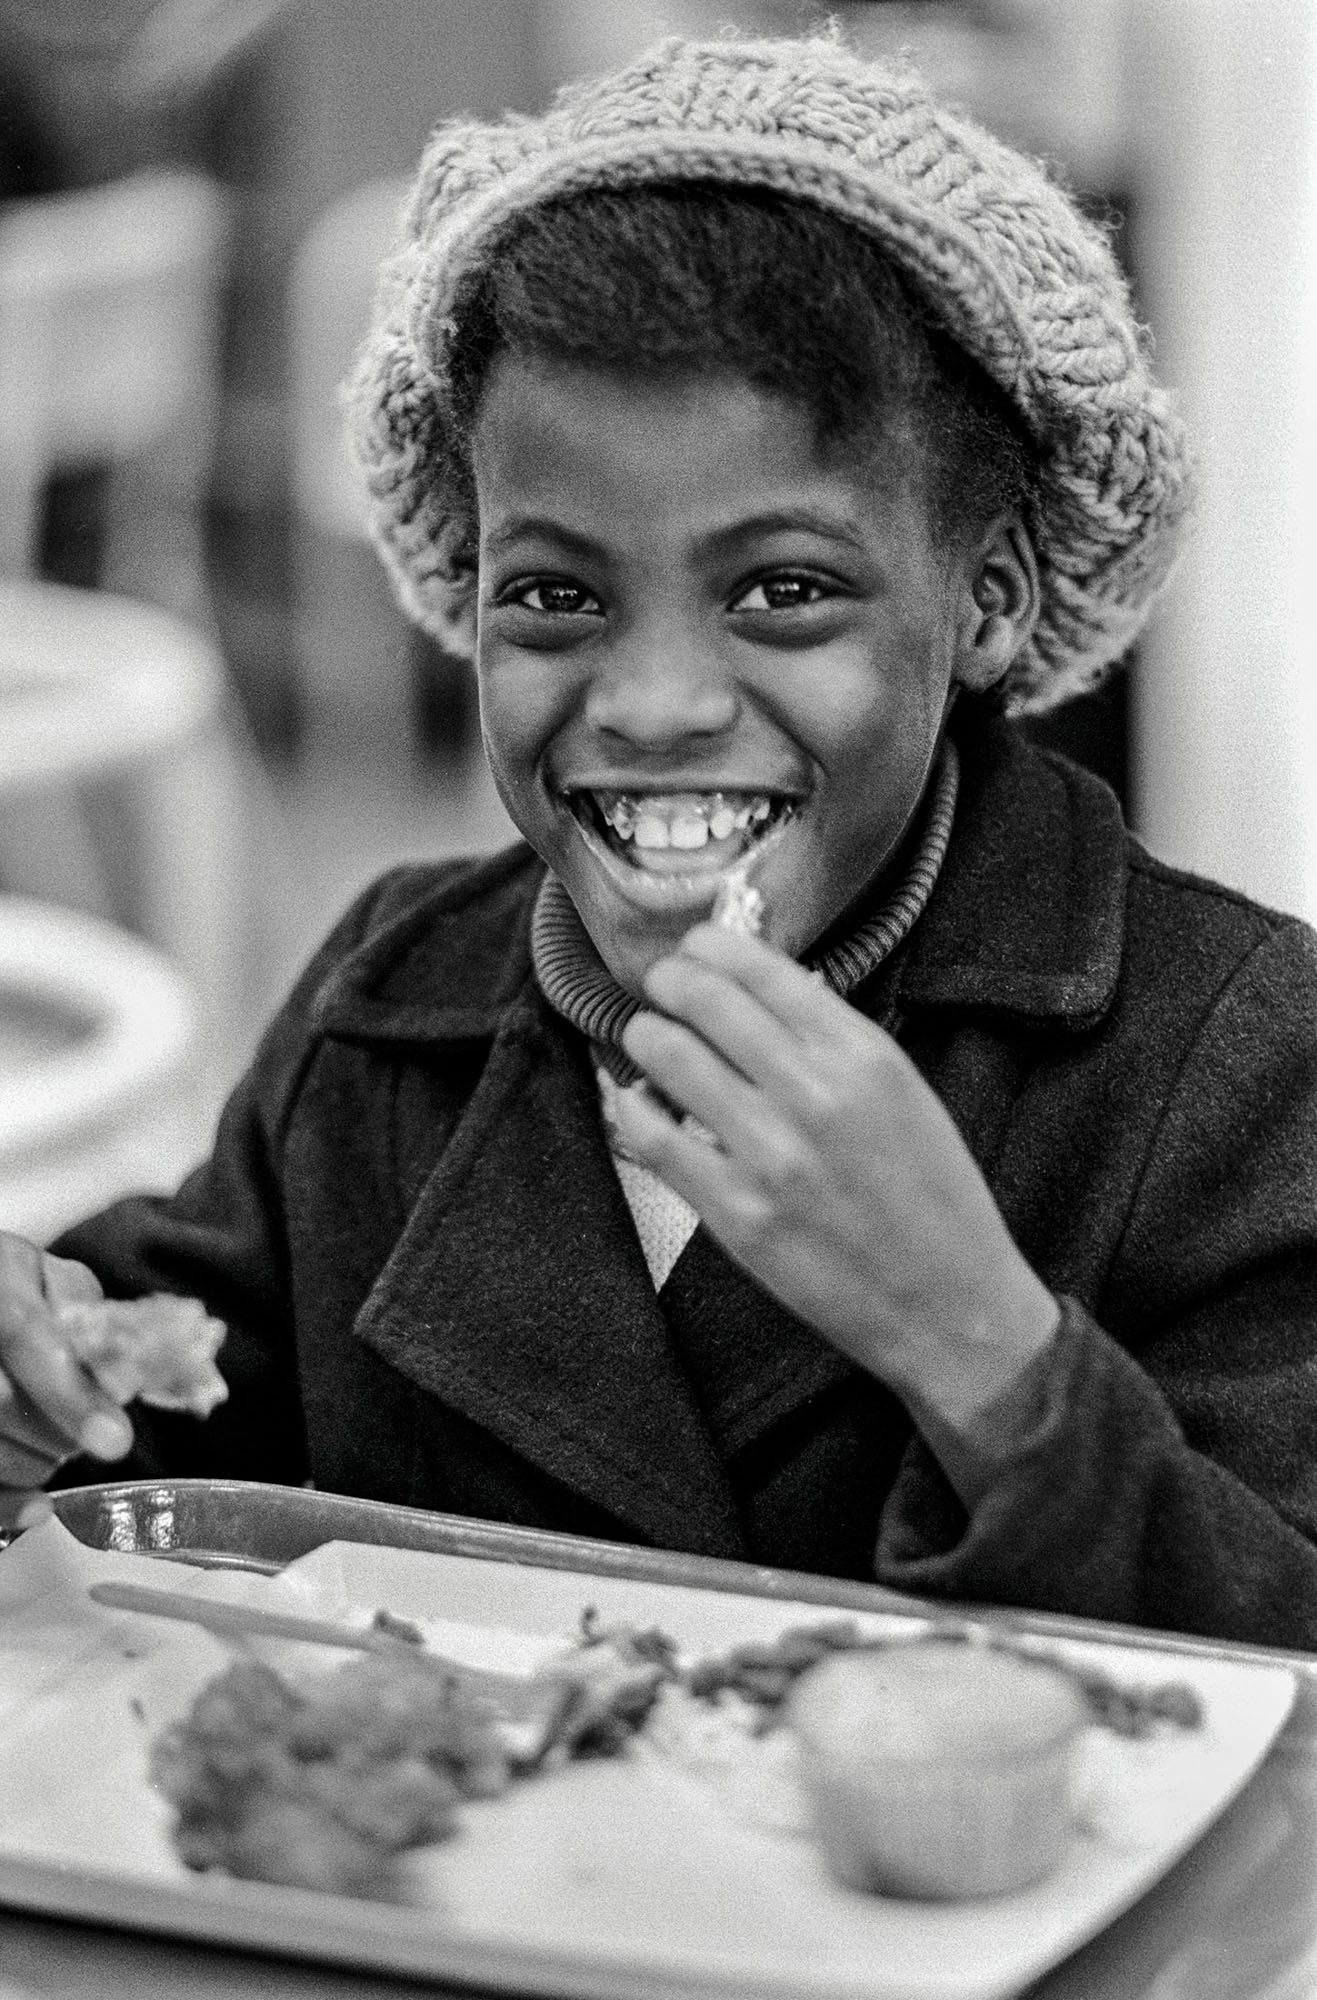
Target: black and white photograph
<point x="658" y="999"/>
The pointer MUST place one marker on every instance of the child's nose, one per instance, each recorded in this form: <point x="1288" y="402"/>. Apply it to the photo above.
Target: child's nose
<point x="658" y="695"/>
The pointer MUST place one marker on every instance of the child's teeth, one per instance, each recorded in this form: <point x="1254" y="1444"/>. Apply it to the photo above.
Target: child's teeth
<point x="686" y="823"/>
<point x="650" y="831"/>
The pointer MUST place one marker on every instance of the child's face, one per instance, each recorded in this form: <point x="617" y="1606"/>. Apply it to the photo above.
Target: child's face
<point x="689" y="621"/>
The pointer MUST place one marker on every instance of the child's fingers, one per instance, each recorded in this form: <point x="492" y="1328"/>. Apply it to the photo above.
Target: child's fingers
<point x="800" y="1000"/>
<point x="21" y="1466"/>
<point x="47" y="1399"/>
<point x="724" y="1197"/>
<point x="68" y="1283"/>
<point x="43" y="1377"/>
<point x="26" y="1428"/>
<point x="730" y="1020"/>
<point x="22" y="1506"/>
<point x="696" y="1077"/>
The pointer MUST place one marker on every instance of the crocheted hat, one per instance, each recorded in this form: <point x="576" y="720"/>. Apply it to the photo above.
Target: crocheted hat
<point x="1015" y="273"/>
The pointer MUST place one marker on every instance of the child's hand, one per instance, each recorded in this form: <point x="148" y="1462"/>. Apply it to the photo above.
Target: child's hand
<point x="837" y="1177"/>
<point x="50" y="1409"/>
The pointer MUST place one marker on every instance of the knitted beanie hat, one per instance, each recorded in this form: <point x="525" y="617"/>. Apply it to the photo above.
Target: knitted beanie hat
<point x="1011" y="268"/>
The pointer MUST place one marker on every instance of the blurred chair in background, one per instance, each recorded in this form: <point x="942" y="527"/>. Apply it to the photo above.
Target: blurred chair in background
<point x="98" y="1067"/>
<point x="119" y="757"/>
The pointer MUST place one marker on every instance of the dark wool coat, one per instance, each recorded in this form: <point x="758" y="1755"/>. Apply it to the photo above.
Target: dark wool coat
<point x="436" y="1294"/>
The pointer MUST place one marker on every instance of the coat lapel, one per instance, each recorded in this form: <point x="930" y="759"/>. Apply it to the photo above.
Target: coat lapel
<point x="518" y="1295"/>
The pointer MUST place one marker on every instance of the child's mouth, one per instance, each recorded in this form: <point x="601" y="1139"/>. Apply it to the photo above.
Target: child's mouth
<point x="683" y="842"/>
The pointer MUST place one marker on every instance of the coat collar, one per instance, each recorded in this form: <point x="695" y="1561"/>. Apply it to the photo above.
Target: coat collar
<point x="1027" y="917"/>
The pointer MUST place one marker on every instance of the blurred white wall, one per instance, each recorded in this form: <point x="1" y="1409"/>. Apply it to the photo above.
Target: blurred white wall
<point x="1225" y="119"/>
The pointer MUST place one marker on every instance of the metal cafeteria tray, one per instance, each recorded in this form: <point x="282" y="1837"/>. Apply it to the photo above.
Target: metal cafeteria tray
<point x="251" y="1527"/>
<point x="238" y="1524"/>
<point x="231" y="1523"/>
<point x="617" y="1881"/>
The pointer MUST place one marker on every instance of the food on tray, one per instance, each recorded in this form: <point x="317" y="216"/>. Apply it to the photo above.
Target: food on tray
<point x="728" y="1723"/>
<point x="764" y="1674"/>
<point x="933" y="1765"/>
<point x="323" y="1789"/>
<point x="1129" y="1709"/>
<point x="938" y="1770"/>
<point x="325" y="1785"/>
<point x="607" y="1684"/>
<point x="160" y="1349"/>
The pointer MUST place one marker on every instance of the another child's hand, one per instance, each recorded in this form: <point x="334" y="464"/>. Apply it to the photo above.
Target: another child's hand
<point x="50" y="1409"/>
<point x="837" y="1177"/>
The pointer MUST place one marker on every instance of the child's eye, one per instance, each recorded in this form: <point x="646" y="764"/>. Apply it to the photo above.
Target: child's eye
<point x="554" y="597"/>
<point x="784" y="592"/>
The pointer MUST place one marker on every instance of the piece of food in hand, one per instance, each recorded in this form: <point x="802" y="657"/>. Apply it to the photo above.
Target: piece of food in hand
<point x="159" y="1350"/>
<point x="938" y="1770"/>
<point x="737" y="906"/>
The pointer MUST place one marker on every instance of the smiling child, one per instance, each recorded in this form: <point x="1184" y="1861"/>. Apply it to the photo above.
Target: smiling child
<point x="769" y="438"/>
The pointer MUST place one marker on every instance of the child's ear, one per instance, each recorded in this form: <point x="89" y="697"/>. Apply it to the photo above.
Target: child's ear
<point x="999" y="604"/>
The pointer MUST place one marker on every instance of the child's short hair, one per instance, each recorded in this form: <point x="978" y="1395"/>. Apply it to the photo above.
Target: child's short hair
<point x="1002" y="260"/>
<point x="709" y="279"/>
